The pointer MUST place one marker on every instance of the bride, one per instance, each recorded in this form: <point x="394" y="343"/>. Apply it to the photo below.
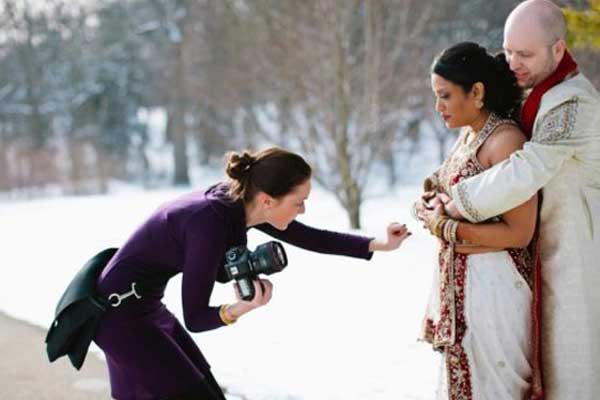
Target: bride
<point x="479" y="313"/>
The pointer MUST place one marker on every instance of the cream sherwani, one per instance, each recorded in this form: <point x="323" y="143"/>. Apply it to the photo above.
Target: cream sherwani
<point x="563" y="158"/>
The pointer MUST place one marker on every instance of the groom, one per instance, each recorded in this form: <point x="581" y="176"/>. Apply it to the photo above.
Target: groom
<point x="562" y="117"/>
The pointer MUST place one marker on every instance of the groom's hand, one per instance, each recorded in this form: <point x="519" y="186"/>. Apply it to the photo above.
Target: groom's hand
<point x="449" y="207"/>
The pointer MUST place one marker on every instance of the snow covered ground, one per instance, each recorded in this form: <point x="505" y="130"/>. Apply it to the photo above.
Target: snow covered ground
<point x="337" y="328"/>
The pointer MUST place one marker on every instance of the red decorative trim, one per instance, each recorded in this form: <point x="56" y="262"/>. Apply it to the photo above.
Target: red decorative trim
<point x="457" y="362"/>
<point x="522" y="260"/>
<point x="459" y="376"/>
<point x="537" y="387"/>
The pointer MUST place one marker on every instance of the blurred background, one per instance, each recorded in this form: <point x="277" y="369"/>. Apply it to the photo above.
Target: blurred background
<point x="110" y="107"/>
<point x="145" y="92"/>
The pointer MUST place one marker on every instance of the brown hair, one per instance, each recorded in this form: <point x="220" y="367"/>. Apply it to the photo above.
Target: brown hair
<point x="273" y="171"/>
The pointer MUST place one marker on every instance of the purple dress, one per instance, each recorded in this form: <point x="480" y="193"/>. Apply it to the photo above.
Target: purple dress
<point x="149" y="353"/>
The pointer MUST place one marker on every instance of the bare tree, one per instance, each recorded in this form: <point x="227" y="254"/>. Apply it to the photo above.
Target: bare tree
<point x="173" y="22"/>
<point x="347" y="69"/>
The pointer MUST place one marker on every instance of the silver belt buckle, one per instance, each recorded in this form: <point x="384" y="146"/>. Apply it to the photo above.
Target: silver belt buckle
<point x="120" y="297"/>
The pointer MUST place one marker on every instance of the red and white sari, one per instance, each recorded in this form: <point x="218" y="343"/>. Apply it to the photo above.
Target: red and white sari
<point x="479" y="313"/>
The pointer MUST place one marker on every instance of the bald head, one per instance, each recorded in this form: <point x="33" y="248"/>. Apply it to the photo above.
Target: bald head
<point x="534" y="40"/>
<point x="542" y="18"/>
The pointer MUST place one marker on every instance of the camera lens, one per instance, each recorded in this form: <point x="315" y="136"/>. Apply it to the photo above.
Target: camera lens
<point x="280" y="254"/>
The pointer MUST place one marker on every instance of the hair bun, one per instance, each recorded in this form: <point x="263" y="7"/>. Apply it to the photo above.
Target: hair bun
<point x="502" y="68"/>
<point x="500" y="60"/>
<point x="238" y="165"/>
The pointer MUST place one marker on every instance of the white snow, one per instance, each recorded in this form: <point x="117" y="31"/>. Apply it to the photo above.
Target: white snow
<point x="336" y="328"/>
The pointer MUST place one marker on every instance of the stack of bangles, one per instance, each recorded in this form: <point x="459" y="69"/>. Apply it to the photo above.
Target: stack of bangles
<point x="223" y="315"/>
<point x="444" y="228"/>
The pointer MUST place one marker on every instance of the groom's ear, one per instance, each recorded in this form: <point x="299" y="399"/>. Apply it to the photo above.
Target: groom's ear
<point x="558" y="50"/>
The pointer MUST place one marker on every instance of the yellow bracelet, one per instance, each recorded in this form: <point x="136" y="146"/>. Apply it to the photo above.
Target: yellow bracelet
<point x="226" y="320"/>
<point x="437" y="226"/>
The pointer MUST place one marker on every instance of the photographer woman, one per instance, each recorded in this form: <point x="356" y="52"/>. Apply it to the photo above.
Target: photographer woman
<point x="149" y="353"/>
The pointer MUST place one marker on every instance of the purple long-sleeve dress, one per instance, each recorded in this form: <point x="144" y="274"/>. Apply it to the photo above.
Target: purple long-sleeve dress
<point x="149" y="354"/>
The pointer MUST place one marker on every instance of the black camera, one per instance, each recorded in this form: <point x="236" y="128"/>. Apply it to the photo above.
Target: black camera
<point x="244" y="266"/>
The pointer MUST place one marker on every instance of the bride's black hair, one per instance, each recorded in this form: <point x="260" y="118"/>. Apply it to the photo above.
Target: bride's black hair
<point x="467" y="63"/>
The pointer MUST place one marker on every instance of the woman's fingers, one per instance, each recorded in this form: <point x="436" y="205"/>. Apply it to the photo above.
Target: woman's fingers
<point x="268" y="292"/>
<point x="263" y="291"/>
<point x="396" y="229"/>
<point x="258" y="292"/>
<point x="403" y="236"/>
<point x="396" y="233"/>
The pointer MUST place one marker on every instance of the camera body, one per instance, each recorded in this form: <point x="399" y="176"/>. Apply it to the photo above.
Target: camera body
<point x="244" y="265"/>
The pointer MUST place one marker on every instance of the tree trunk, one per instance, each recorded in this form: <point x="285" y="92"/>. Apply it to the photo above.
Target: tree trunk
<point x="5" y="170"/>
<point x="389" y="160"/>
<point x="350" y="189"/>
<point x="354" y="196"/>
<point x="177" y="119"/>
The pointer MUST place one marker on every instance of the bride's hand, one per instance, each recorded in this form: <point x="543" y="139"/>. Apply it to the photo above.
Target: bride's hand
<point x="428" y="216"/>
<point x="435" y="201"/>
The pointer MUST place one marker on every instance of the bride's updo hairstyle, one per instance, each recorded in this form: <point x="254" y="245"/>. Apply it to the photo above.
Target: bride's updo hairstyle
<point x="273" y="171"/>
<point x="467" y="63"/>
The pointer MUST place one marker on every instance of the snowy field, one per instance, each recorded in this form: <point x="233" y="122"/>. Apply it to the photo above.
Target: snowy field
<point x="336" y="328"/>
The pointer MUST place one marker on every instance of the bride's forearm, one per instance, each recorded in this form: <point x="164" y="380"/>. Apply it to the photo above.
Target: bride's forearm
<point x="475" y="249"/>
<point x="495" y="234"/>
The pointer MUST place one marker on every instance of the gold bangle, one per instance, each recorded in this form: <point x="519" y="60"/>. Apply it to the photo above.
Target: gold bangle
<point x="433" y="228"/>
<point x="450" y="231"/>
<point x="443" y="227"/>
<point x="447" y="228"/>
<point x="222" y="314"/>
<point x="437" y="226"/>
<point x="453" y="231"/>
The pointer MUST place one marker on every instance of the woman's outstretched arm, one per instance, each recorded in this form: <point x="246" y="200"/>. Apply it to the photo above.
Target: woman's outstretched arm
<point x="331" y="242"/>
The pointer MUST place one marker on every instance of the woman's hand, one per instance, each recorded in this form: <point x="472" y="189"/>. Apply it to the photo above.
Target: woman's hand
<point x="396" y="233"/>
<point x="263" y="289"/>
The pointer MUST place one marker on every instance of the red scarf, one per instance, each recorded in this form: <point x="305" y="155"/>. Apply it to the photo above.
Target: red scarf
<point x="528" y="113"/>
<point x="530" y="108"/>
